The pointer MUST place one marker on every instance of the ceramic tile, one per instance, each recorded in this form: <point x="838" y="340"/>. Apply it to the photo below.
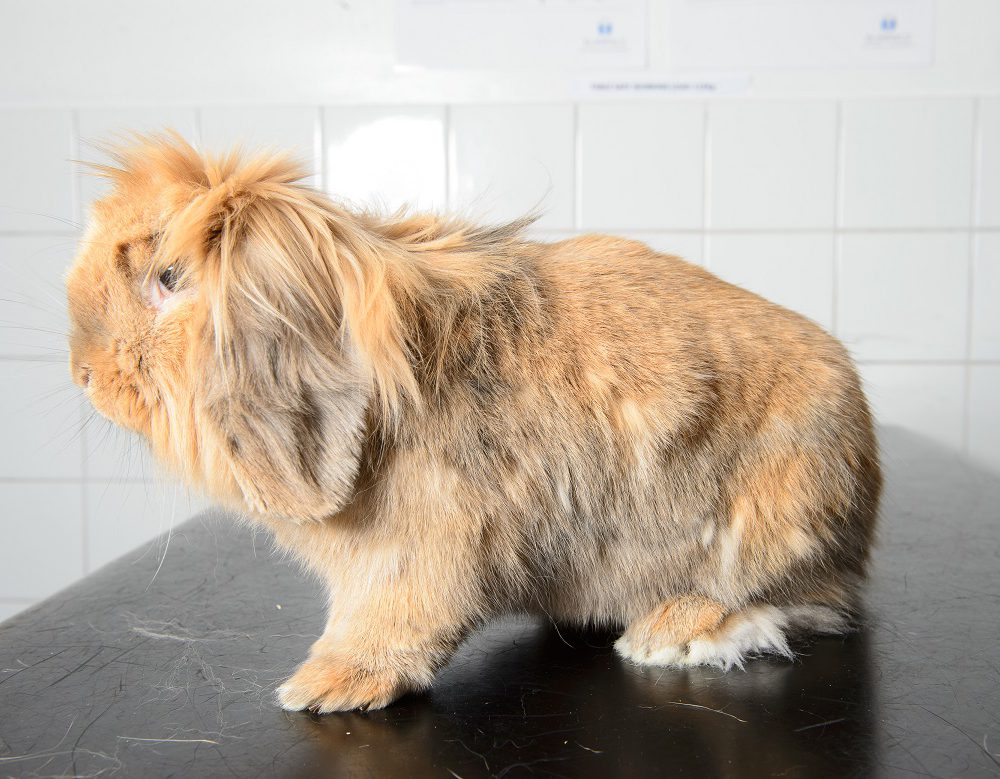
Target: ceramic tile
<point x="904" y="296"/>
<point x="128" y="518"/>
<point x="641" y="165"/>
<point x="510" y="160"/>
<point x="40" y="416"/>
<point x="36" y="149"/>
<point x="115" y="454"/>
<point x="385" y="157"/>
<point x="773" y="164"/>
<point x="986" y="298"/>
<point x="42" y="530"/>
<point x="33" y="318"/>
<point x="989" y="169"/>
<point x="907" y="163"/>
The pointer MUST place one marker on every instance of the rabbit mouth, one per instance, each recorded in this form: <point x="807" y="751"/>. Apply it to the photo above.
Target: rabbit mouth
<point x="118" y="399"/>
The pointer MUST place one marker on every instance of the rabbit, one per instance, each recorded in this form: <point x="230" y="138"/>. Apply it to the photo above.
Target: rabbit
<point x="447" y="422"/>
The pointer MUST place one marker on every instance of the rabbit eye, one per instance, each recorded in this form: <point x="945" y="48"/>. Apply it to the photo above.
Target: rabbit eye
<point x="168" y="279"/>
<point x="160" y="290"/>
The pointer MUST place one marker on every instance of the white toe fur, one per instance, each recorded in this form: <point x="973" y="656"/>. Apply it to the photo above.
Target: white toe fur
<point x="760" y="630"/>
<point x="666" y="655"/>
<point x="756" y="631"/>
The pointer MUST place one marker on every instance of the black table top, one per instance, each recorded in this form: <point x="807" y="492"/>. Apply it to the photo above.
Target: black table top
<point x="145" y="669"/>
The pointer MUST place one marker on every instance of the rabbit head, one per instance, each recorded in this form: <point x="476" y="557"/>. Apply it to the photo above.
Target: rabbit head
<point x="240" y="321"/>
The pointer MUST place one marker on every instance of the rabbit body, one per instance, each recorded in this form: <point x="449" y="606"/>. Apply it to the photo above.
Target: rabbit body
<point x="587" y="430"/>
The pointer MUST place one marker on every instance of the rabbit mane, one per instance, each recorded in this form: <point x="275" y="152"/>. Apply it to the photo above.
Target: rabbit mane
<point x="324" y="273"/>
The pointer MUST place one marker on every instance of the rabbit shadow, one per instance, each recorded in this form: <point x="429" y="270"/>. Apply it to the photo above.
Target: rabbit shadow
<point x="524" y="696"/>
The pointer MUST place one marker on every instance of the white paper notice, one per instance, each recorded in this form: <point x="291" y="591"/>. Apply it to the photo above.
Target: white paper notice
<point x="521" y="34"/>
<point x="733" y="35"/>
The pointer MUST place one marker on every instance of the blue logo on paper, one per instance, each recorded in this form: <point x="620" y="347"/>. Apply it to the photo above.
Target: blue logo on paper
<point x="888" y="23"/>
<point x="605" y="28"/>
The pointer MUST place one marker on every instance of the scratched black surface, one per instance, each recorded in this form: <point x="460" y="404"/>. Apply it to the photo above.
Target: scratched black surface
<point x="127" y="674"/>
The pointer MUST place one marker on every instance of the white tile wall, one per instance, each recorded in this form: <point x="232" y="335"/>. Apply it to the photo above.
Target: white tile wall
<point x="115" y="454"/>
<point x="40" y="415"/>
<point x="904" y="295"/>
<point x="385" y="157"/>
<point x="126" y="515"/>
<point x="986" y="298"/>
<point x="907" y="163"/>
<point x="641" y="166"/>
<point x="41" y="528"/>
<point x="33" y="317"/>
<point x="508" y="160"/>
<point x="773" y="165"/>
<point x="36" y="191"/>
<point x="878" y="219"/>
<point x="989" y="146"/>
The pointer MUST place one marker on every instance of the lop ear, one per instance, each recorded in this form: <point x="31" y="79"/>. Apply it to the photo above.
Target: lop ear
<point x="291" y="430"/>
<point x="289" y="384"/>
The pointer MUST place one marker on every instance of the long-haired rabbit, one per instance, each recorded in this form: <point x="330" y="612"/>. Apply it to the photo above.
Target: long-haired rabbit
<point x="448" y="422"/>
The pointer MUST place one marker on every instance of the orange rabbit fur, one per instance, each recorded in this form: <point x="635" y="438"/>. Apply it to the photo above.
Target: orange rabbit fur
<point x="447" y="422"/>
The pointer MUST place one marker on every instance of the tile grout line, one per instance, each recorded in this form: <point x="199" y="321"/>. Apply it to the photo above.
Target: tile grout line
<point x="838" y="190"/>
<point x="197" y="129"/>
<point x="900" y="230"/>
<point x="931" y="363"/>
<point x="706" y="185"/>
<point x="77" y="195"/>
<point x="85" y="527"/>
<point x="44" y="233"/>
<point x="577" y="169"/>
<point x="34" y="357"/>
<point x="973" y="250"/>
<point x="76" y="191"/>
<point x="451" y="159"/>
<point x="324" y="163"/>
<point x="793" y="230"/>
<point x="447" y="156"/>
<point x="89" y="480"/>
<point x="84" y="478"/>
<point x="318" y="155"/>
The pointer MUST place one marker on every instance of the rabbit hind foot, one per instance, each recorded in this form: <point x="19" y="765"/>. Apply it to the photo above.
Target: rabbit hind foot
<point x="695" y="631"/>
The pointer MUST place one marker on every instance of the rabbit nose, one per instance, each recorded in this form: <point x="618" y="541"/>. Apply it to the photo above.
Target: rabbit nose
<point x="81" y="373"/>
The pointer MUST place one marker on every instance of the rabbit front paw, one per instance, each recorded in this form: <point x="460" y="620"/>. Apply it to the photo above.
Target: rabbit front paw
<point x="328" y="683"/>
